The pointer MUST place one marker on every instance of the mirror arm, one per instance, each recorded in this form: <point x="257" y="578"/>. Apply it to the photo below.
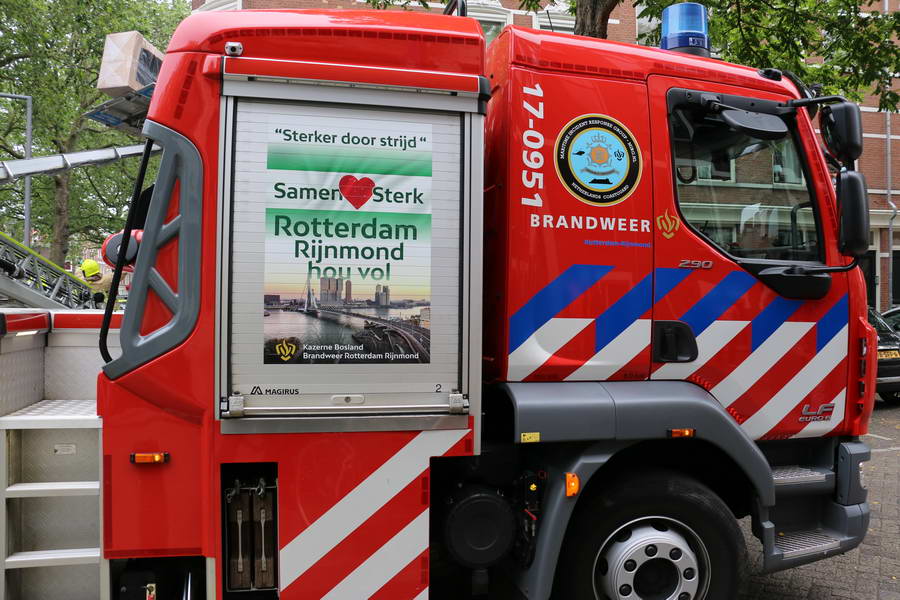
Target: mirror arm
<point x="831" y="160"/>
<point x="818" y="100"/>
<point x="800" y="270"/>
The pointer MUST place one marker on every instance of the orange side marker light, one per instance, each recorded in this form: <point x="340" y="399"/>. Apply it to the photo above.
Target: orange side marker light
<point x="682" y="433"/>
<point x="573" y="484"/>
<point x="150" y="458"/>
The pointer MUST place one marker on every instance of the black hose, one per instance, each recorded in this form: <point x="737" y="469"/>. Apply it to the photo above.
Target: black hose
<point x="120" y="259"/>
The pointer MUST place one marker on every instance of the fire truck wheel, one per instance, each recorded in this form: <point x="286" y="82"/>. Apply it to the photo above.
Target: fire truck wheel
<point x="657" y="536"/>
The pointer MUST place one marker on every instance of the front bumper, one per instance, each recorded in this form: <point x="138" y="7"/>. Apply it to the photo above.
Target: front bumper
<point x="888" y="377"/>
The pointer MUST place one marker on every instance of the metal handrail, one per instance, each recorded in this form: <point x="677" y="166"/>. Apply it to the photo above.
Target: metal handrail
<point x="456" y="5"/>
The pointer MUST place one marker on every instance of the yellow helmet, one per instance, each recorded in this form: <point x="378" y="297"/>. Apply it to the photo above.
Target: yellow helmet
<point x="90" y="267"/>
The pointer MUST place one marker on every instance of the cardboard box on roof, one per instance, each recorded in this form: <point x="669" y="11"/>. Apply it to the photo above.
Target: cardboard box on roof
<point x="129" y="63"/>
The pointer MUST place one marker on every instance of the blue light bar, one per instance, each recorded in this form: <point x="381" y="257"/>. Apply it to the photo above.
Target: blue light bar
<point x="684" y="28"/>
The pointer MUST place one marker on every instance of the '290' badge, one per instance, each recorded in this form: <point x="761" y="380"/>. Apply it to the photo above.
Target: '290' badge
<point x="598" y="160"/>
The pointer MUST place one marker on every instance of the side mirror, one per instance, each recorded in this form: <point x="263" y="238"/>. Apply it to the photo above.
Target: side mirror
<point x="854" y="208"/>
<point x="841" y="126"/>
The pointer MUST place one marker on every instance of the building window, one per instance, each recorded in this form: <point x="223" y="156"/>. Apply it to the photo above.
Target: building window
<point x="491" y="29"/>
<point x="492" y="17"/>
<point x="556" y="17"/>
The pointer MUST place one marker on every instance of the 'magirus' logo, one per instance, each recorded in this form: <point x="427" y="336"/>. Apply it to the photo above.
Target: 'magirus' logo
<point x="823" y="413"/>
<point x="285" y="350"/>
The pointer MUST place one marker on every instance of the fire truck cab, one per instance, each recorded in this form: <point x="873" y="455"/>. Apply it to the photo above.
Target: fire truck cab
<point x="408" y="321"/>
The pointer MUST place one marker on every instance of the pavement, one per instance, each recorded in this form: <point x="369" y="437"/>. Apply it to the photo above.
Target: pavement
<point x="870" y="572"/>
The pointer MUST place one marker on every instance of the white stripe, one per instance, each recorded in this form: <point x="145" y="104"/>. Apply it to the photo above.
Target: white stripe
<point x="759" y="362"/>
<point x="543" y="343"/>
<point x="615" y="354"/>
<point x="820" y="428"/>
<point x="709" y="343"/>
<point x="797" y="388"/>
<point x="362" y="502"/>
<point x="387" y="561"/>
<point x="423" y="595"/>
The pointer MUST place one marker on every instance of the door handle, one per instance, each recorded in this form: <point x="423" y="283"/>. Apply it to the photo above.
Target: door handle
<point x="673" y="341"/>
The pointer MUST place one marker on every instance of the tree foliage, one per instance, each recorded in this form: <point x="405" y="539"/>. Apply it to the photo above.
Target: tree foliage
<point x="51" y="50"/>
<point x="849" y="47"/>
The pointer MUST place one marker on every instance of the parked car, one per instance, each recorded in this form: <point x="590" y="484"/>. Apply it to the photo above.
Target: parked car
<point x="887" y="382"/>
<point x="892" y="317"/>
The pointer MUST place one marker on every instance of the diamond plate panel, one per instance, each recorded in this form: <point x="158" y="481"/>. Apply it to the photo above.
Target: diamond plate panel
<point x="796" y="474"/>
<point x="79" y="582"/>
<point x="21" y="379"/>
<point x="56" y="523"/>
<point x="40" y="463"/>
<point x="805" y="542"/>
<point x="71" y="372"/>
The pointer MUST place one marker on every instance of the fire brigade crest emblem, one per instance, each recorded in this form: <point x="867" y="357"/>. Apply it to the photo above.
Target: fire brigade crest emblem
<point x="598" y="160"/>
<point x="286" y="350"/>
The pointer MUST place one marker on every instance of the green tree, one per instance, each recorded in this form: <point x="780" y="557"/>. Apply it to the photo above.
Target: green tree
<point x="51" y="50"/>
<point x="849" y="47"/>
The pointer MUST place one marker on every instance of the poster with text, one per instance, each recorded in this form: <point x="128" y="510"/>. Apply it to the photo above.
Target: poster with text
<point x="347" y="241"/>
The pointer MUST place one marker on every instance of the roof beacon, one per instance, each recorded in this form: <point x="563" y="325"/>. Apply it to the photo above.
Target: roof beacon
<point x="685" y="29"/>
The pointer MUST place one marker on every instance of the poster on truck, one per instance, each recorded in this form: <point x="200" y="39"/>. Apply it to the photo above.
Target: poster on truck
<point x="347" y="241"/>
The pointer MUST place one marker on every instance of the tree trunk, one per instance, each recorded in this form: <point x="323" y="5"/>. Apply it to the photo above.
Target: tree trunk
<point x="59" y="245"/>
<point x="592" y="17"/>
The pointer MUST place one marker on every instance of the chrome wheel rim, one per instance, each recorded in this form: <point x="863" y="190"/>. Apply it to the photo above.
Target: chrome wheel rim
<point x="652" y="558"/>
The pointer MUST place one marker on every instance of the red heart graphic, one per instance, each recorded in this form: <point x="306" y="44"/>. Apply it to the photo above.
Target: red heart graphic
<point x="356" y="191"/>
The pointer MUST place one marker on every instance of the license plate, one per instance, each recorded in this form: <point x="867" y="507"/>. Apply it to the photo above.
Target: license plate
<point x="889" y="354"/>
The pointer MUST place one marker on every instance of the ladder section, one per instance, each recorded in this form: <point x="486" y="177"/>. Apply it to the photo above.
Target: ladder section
<point x="34" y="281"/>
<point x="56" y="163"/>
<point x="51" y="500"/>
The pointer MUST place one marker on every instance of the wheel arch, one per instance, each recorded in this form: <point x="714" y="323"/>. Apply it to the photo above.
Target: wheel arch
<point x="629" y="422"/>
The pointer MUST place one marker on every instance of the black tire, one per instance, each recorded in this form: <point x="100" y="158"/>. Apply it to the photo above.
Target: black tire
<point x="890" y="397"/>
<point x="659" y="493"/>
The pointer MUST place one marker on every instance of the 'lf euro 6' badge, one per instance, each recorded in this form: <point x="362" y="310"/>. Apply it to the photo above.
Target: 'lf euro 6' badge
<point x="598" y="160"/>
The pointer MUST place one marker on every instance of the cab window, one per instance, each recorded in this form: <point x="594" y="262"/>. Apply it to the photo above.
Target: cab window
<point x="748" y="196"/>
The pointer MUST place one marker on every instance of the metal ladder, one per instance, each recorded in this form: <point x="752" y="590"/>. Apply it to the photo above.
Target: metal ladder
<point x="31" y="279"/>
<point x="50" y="491"/>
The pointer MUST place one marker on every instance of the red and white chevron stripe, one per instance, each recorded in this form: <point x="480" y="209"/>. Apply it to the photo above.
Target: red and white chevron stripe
<point x="373" y="541"/>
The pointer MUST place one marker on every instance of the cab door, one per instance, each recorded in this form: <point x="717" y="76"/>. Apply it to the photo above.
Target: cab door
<point x="730" y="210"/>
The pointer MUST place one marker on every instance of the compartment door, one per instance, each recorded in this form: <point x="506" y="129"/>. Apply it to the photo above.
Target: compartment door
<point x="345" y="279"/>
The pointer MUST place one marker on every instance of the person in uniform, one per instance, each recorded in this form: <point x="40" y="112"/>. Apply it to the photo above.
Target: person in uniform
<point x="99" y="282"/>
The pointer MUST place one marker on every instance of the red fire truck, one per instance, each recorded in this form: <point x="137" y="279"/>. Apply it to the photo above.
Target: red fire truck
<point x="408" y="318"/>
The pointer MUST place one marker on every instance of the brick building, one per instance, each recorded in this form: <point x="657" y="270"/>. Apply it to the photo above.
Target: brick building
<point x="877" y="163"/>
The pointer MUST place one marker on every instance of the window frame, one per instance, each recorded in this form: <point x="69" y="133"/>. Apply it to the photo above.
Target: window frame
<point x="680" y="98"/>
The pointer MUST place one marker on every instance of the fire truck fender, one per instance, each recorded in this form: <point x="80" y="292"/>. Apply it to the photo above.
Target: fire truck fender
<point x="616" y="415"/>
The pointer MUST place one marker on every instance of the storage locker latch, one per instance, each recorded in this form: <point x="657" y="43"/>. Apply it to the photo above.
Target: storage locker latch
<point x="459" y="404"/>
<point x="232" y="407"/>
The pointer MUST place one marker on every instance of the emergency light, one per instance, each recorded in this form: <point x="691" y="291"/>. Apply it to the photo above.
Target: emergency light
<point x="685" y="29"/>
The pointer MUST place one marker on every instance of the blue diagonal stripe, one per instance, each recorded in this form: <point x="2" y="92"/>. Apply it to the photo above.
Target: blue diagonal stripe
<point x="623" y="312"/>
<point x="719" y="299"/>
<point x="548" y="302"/>
<point x="666" y="279"/>
<point x="771" y="318"/>
<point x="833" y="321"/>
